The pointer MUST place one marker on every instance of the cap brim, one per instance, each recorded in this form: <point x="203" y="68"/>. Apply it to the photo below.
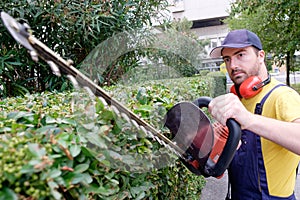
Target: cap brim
<point x="217" y="51"/>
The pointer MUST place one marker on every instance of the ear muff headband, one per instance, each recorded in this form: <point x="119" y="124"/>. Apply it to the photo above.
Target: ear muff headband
<point x="250" y="87"/>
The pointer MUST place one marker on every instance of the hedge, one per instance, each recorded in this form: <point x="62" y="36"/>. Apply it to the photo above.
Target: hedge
<point x="217" y="83"/>
<point x="73" y="146"/>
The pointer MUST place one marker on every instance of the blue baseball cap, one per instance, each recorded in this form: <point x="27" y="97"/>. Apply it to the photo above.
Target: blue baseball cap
<point x="237" y="39"/>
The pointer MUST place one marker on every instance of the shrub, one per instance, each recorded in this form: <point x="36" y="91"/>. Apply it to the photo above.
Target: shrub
<point x="73" y="146"/>
<point x="204" y="72"/>
<point x="217" y="83"/>
<point x="296" y="87"/>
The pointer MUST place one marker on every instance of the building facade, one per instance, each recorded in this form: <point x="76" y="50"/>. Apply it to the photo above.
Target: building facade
<point x="207" y="18"/>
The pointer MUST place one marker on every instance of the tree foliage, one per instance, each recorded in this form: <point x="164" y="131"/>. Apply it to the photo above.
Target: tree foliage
<point x="177" y="50"/>
<point x="276" y="22"/>
<point x="189" y="46"/>
<point x="71" y="28"/>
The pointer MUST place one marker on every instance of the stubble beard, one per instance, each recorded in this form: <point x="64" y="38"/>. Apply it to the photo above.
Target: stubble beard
<point x="239" y="79"/>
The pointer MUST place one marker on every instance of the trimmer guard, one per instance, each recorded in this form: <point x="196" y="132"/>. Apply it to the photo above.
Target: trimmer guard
<point x="192" y="130"/>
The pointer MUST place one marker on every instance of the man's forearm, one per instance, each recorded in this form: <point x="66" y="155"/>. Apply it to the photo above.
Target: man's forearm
<point x="286" y="134"/>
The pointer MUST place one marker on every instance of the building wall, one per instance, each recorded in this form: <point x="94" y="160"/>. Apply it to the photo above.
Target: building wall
<point x="215" y="35"/>
<point x="200" y="9"/>
<point x="207" y="16"/>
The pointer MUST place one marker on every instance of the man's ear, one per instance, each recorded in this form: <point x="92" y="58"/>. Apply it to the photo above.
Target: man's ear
<point x="261" y="55"/>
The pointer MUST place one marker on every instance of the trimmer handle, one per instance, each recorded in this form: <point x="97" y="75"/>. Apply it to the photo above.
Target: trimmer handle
<point x="234" y="136"/>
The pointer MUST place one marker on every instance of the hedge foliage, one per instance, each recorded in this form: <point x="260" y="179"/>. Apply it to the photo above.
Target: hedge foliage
<point x="73" y="146"/>
<point x="217" y="83"/>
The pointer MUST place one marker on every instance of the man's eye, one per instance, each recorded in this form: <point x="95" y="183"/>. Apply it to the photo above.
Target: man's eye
<point x="226" y="59"/>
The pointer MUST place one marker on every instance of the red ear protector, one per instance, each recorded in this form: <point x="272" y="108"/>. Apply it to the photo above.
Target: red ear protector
<point x="250" y="87"/>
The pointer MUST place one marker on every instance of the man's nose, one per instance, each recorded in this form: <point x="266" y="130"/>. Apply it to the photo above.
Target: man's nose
<point x="233" y="63"/>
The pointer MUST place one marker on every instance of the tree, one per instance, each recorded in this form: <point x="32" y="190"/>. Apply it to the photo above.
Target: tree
<point x="71" y="28"/>
<point x="189" y="45"/>
<point x="180" y="48"/>
<point x="167" y="51"/>
<point x="276" y="22"/>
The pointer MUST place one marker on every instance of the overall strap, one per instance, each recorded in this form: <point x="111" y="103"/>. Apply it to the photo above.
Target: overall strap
<point x="261" y="167"/>
<point x="259" y="106"/>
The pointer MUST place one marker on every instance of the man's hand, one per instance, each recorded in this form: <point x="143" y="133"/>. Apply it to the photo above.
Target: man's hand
<point x="229" y="106"/>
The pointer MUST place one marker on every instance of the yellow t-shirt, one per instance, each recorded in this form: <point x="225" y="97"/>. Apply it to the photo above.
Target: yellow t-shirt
<point x="280" y="164"/>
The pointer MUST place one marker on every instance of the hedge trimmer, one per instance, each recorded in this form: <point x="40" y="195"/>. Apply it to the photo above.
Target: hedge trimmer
<point x="204" y="148"/>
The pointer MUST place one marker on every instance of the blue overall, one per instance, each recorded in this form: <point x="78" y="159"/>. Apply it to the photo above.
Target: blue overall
<point x="247" y="175"/>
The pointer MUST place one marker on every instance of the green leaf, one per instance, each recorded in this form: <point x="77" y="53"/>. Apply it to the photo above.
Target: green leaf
<point x="5" y="129"/>
<point x="69" y="121"/>
<point x="114" y="155"/>
<point x="107" y="163"/>
<point x="7" y="194"/>
<point x="89" y="126"/>
<point x="107" y="115"/>
<point x="140" y="195"/>
<point x="45" y="129"/>
<point x="88" y="152"/>
<point x="128" y="159"/>
<point x="145" y="108"/>
<point x="81" y="168"/>
<point x="87" y="179"/>
<point x="99" y="105"/>
<point x="96" y="140"/>
<point x="36" y="150"/>
<point x="105" y="191"/>
<point x="64" y="136"/>
<point x="142" y="96"/>
<point x="50" y="120"/>
<point x="18" y="115"/>
<point x="139" y="191"/>
<point x="81" y="178"/>
<point x="10" y="177"/>
<point x="53" y="185"/>
<point x="75" y="150"/>
<point x="110" y="175"/>
<point x="53" y="189"/>
<point x="27" y="169"/>
<point x="54" y="173"/>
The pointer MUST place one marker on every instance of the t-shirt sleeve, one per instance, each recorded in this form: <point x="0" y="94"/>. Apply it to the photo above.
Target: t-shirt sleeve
<point x="287" y="105"/>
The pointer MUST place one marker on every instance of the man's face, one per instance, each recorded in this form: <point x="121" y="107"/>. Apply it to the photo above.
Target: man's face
<point x="242" y="63"/>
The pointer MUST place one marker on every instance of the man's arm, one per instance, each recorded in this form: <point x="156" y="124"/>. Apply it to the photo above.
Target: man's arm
<point x="286" y="134"/>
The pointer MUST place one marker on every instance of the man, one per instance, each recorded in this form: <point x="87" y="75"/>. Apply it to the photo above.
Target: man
<point x="264" y="166"/>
